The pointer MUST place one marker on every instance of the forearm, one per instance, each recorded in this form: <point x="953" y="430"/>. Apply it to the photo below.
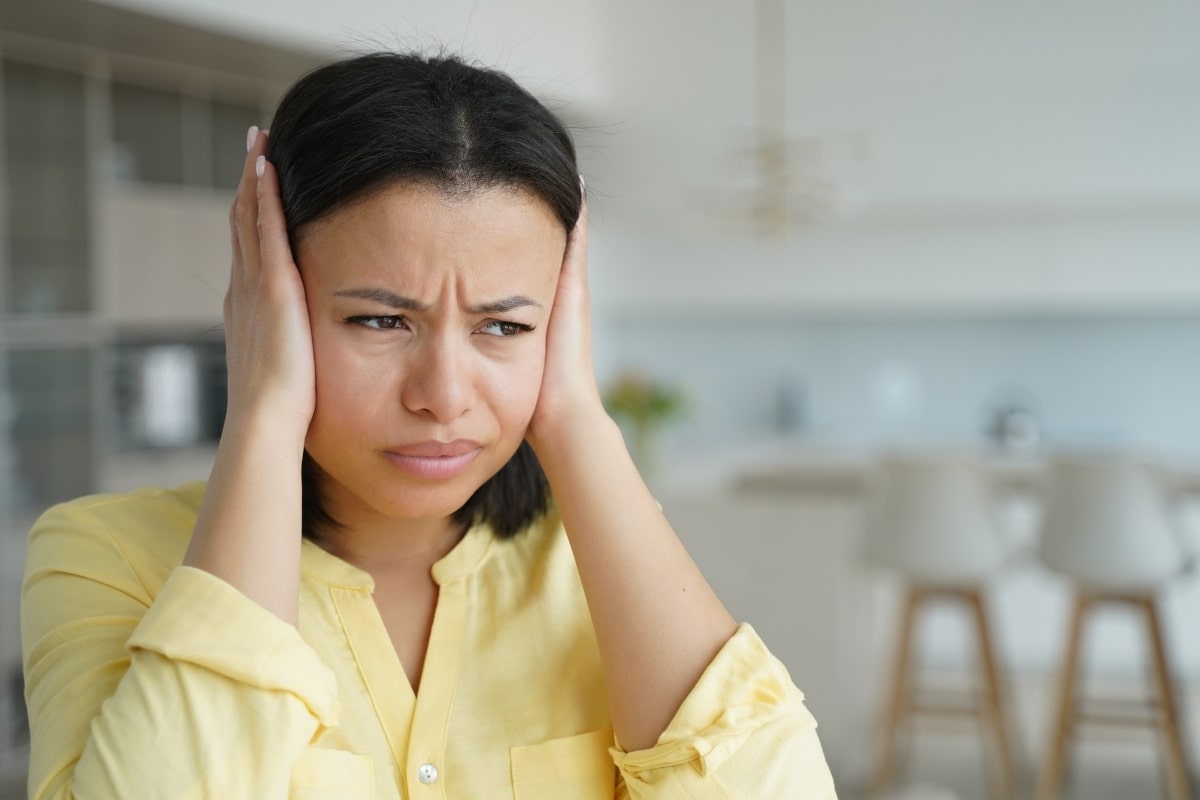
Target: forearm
<point x="152" y="739"/>
<point x="209" y="771"/>
<point x="658" y="622"/>
<point x="248" y="530"/>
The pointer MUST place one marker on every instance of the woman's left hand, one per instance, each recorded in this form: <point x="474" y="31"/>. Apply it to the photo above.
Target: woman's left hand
<point x="569" y="395"/>
<point x="658" y="623"/>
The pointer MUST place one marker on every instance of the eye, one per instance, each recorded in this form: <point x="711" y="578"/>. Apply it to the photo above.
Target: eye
<point x="384" y="323"/>
<point x="498" y="327"/>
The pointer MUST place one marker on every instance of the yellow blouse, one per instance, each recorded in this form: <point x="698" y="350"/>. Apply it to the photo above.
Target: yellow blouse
<point x="147" y="679"/>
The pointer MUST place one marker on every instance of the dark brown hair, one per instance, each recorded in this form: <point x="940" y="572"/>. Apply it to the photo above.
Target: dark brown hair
<point x="359" y="125"/>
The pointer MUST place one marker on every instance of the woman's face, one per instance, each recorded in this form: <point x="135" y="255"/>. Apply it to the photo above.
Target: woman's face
<point x="429" y="318"/>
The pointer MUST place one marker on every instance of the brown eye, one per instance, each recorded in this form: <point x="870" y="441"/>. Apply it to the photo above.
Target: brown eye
<point x="501" y="328"/>
<point x="384" y="323"/>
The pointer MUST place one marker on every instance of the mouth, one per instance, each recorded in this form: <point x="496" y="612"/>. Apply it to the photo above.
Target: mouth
<point x="434" y="460"/>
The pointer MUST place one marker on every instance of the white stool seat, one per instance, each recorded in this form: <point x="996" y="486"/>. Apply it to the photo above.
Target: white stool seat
<point x="1107" y="526"/>
<point x="933" y="520"/>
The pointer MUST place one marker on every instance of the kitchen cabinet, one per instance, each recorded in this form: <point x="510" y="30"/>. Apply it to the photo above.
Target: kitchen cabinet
<point x="163" y="256"/>
<point x="916" y="262"/>
<point x="45" y="168"/>
<point x="118" y="163"/>
<point x="788" y="568"/>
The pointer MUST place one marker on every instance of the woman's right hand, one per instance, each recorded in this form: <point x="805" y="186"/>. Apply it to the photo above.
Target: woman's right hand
<point x="268" y="340"/>
<point x="248" y="529"/>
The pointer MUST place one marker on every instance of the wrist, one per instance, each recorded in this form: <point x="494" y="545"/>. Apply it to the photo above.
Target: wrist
<point x="259" y="427"/>
<point x="555" y="437"/>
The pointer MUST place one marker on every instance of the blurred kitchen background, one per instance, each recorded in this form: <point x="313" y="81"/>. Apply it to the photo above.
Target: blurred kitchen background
<point x="833" y="231"/>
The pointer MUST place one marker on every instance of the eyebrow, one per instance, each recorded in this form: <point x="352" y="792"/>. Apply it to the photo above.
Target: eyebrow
<point x="401" y="303"/>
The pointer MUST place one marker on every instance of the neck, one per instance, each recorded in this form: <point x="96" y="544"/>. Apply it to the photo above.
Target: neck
<point x="380" y="544"/>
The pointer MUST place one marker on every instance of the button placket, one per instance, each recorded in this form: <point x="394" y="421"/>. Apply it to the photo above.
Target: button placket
<point x="428" y="735"/>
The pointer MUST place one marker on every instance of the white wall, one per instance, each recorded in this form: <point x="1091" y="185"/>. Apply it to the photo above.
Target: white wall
<point x="982" y="102"/>
<point x="556" y="48"/>
<point x="1020" y="156"/>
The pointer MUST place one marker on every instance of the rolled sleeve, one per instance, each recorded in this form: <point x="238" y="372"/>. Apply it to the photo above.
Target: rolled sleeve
<point x="140" y="686"/>
<point x="202" y="620"/>
<point x="742" y="732"/>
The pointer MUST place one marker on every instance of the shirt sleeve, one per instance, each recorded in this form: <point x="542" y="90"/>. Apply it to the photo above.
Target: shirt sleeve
<point x="743" y="733"/>
<point x="195" y="692"/>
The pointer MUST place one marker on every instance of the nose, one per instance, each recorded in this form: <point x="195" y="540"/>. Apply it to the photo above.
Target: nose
<point x="438" y="383"/>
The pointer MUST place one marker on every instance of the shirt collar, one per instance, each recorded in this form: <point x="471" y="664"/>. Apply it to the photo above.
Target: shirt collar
<point x="460" y="562"/>
<point x="328" y="568"/>
<point x="466" y="556"/>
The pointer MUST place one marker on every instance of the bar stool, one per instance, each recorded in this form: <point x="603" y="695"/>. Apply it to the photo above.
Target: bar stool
<point x="1107" y="527"/>
<point x="932" y="520"/>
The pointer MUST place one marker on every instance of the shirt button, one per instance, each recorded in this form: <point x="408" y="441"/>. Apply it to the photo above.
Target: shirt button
<point x="427" y="773"/>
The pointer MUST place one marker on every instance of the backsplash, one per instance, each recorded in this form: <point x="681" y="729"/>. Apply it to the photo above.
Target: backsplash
<point x="1089" y="382"/>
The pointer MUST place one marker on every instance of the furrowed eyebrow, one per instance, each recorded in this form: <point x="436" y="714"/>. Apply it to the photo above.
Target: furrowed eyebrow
<point x="401" y="303"/>
<point x="503" y="305"/>
<point x="383" y="296"/>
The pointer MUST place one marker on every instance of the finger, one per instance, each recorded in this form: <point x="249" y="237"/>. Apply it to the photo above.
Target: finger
<point x="250" y="236"/>
<point x="243" y="216"/>
<point x="275" y="250"/>
<point x="245" y="185"/>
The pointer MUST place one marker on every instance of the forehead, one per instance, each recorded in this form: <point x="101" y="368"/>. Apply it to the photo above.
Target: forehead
<point x="414" y="235"/>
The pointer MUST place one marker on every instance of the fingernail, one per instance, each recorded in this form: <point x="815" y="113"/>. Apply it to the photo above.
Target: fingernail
<point x="260" y="165"/>
<point x="251" y="136"/>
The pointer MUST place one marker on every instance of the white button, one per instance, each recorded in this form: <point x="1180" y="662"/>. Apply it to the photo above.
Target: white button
<point x="427" y="773"/>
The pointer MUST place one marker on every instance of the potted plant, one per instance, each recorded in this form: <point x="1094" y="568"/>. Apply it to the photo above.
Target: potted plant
<point x="643" y="406"/>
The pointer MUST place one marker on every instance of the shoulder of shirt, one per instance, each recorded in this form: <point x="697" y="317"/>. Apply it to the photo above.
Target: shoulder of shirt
<point x="541" y="536"/>
<point x="146" y="531"/>
<point x="541" y="548"/>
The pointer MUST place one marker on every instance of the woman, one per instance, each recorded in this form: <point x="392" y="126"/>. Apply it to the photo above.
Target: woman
<point x="407" y="325"/>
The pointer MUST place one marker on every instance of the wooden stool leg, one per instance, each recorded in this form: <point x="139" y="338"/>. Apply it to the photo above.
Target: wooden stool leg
<point x="993" y="700"/>
<point x="1051" y="777"/>
<point x="1177" y="778"/>
<point x="898" y="705"/>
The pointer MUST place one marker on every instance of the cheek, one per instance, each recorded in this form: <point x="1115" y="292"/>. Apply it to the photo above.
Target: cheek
<point x="347" y="384"/>
<point x="329" y="362"/>
<point x="515" y="387"/>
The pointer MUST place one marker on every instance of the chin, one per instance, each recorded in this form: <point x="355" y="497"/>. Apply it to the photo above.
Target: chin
<point x="401" y="497"/>
<point x="422" y="502"/>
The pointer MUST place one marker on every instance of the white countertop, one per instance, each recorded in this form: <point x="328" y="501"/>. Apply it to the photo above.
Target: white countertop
<point x="809" y="466"/>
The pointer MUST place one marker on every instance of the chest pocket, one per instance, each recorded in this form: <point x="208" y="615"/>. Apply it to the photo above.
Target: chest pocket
<point x="572" y="768"/>
<point x="324" y="774"/>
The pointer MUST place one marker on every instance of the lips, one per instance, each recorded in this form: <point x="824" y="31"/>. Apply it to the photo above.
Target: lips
<point x="433" y="459"/>
<point x="434" y="449"/>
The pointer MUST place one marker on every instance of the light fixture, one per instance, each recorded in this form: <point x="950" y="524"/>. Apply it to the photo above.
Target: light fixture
<point x="778" y="181"/>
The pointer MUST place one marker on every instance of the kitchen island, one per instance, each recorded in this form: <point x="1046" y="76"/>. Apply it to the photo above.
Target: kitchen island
<point x="777" y="531"/>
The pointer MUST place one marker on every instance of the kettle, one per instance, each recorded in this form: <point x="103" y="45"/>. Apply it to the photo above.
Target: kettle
<point x="1015" y="429"/>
